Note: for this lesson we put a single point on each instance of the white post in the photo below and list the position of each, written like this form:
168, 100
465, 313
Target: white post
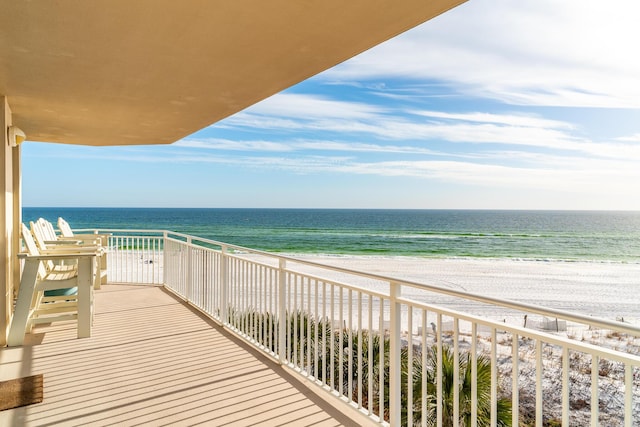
224, 286
395, 344
85, 295
188, 271
162, 279
282, 311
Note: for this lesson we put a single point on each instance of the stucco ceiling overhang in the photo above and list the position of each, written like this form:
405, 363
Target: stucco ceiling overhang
123, 72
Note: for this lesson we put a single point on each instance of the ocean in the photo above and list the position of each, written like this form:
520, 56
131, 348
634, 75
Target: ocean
599, 236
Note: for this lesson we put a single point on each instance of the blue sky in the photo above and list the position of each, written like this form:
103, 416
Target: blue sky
497, 104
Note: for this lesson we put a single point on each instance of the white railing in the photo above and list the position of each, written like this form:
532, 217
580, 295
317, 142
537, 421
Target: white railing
134, 256
382, 344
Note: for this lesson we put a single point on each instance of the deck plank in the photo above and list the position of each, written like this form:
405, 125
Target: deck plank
151, 360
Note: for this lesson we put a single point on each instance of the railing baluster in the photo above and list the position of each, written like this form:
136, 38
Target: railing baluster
370, 360
324, 332
189, 270
138, 258
254, 309
515, 370
595, 399
260, 295
282, 310
439, 376
359, 354
539, 367
341, 342
304, 321
317, 327
395, 383
244, 298
224, 286
494, 376
565, 386
424, 349
628, 395
474, 374
311, 317
332, 338
296, 314
456, 373
127, 261
409, 365
350, 345
381, 366
270, 311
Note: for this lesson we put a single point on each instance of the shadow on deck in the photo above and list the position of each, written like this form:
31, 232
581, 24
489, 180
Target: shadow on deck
152, 360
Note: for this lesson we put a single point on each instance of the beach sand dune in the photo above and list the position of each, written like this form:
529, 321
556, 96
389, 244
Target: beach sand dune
605, 290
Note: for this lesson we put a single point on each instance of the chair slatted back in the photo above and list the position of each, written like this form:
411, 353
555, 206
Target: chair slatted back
38, 235
47, 229
32, 249
65, 230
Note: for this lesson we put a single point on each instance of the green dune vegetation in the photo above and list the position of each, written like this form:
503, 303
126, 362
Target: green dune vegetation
340, 357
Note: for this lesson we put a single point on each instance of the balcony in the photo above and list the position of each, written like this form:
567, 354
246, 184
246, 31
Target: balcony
153, 360
193, 331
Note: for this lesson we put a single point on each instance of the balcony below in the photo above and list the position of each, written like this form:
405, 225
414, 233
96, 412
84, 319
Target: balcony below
153, 360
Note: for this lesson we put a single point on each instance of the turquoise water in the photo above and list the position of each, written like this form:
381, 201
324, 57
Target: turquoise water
538, 235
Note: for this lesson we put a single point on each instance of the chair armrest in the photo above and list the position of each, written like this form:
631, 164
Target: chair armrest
80, 238
63, 242
53, 257
62, 250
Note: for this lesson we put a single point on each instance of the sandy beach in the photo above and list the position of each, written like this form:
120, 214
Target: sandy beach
605, 290
608, 290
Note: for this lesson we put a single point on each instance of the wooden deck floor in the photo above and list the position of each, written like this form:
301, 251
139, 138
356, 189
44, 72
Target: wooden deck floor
153, 361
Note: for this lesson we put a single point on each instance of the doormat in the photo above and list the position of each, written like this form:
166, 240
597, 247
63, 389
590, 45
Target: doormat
21, 392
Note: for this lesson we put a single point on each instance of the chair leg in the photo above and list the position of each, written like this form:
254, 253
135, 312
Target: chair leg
85, 296
20, 319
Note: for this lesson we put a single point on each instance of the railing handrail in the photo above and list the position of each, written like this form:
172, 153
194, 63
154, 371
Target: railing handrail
530, 333
118, 230
504, 303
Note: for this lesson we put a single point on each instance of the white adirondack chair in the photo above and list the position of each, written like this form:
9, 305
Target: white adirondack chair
48, 234
39, 277
67, 233
101, 239
48, 242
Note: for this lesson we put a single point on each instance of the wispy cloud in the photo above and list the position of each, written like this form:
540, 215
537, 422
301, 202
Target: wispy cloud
314, 107
581, 54
421, 127
301, 145
235, 145
630, 138
502, 119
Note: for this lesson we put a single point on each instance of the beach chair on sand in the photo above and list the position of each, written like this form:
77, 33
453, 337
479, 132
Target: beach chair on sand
48, 293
